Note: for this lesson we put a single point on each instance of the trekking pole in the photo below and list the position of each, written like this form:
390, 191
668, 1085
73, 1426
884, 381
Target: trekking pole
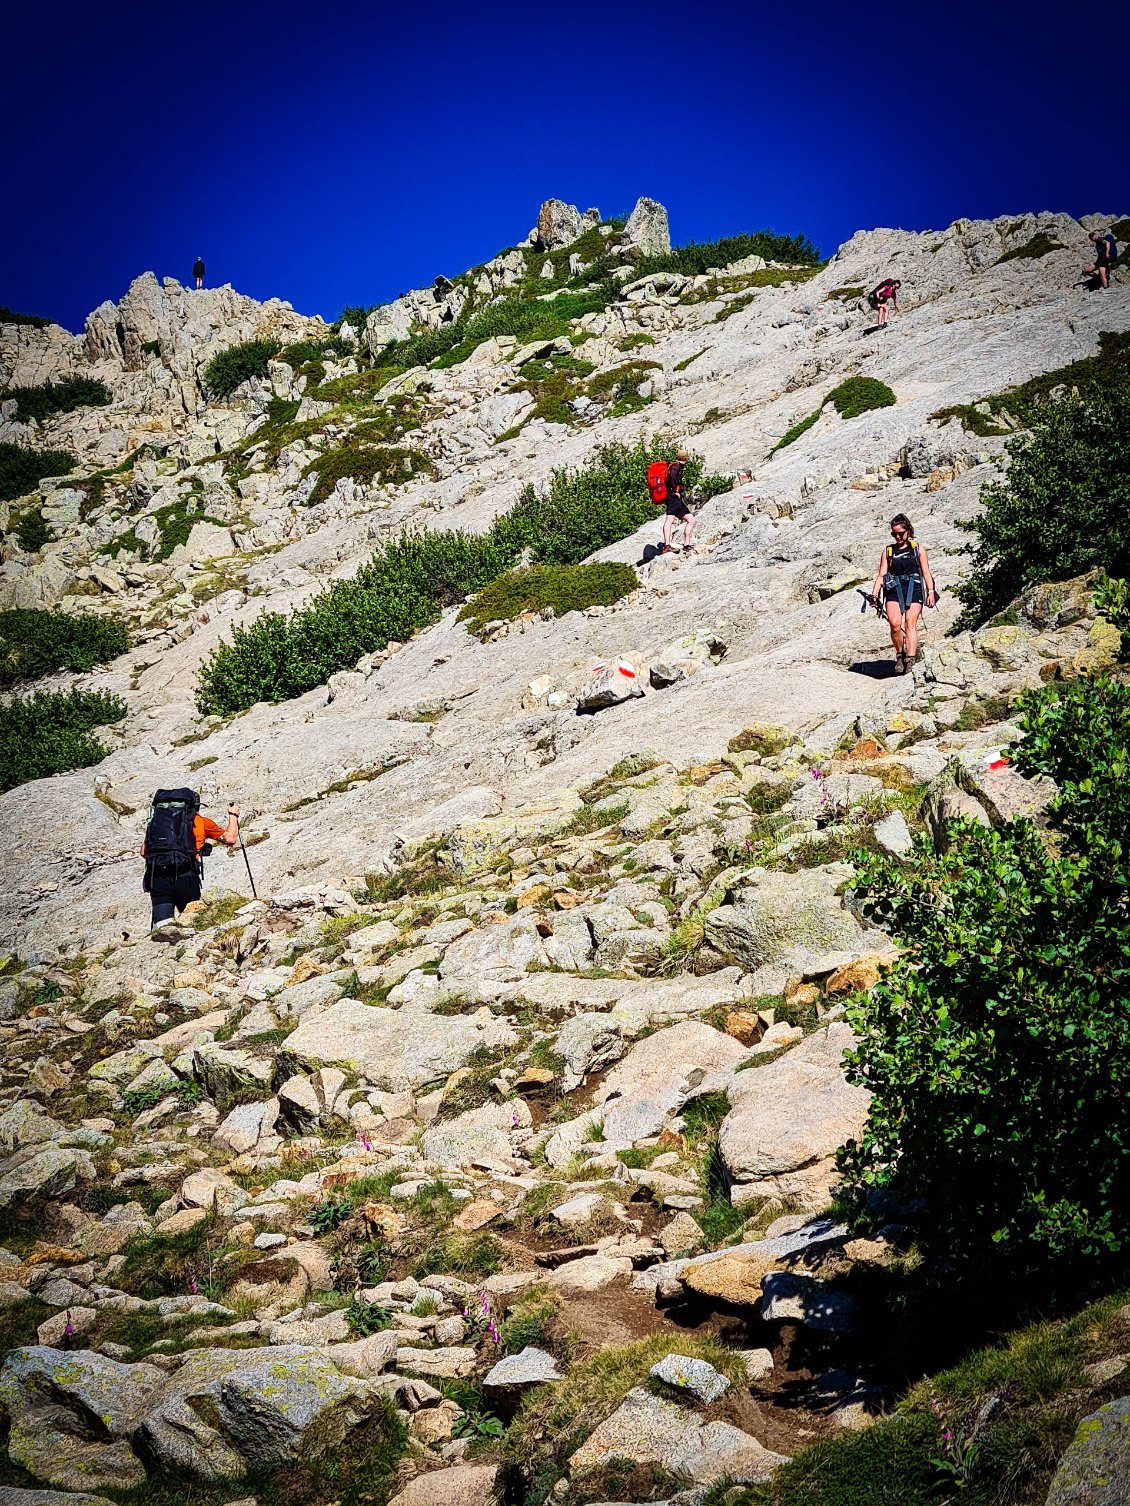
247, 860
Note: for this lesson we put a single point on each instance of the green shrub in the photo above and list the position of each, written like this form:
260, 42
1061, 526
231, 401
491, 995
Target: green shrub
1062, 506
36, 320
697, 257
32, 532
35, 642
49, 733
229, 369
997, 1049
22, 469
387, 464
58, 397
564, 588
1040, 245
851, 398
408, 582
860, 395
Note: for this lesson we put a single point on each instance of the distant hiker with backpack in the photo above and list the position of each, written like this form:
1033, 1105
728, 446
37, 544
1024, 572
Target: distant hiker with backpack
905, 585
1106, 254
173, 849
879, 298
665, 483
198, 271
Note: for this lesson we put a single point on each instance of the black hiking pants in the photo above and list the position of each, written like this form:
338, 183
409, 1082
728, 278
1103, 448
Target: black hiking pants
171, 889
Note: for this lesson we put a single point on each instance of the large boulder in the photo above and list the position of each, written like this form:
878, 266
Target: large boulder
648, 1430
559, 224
393, 1048
788, 1119
1095, 1470
794, 922
83, 1420
73, 1416
462, 1485
647, 229
229, 1411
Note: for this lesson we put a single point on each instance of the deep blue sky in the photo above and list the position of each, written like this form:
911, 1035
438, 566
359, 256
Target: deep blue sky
333, 153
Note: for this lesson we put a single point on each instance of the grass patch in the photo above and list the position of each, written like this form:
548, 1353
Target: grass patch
174, 524
554, 1421
689, 360
856, 396
455, 1254
563, 588
51, 732
22, 468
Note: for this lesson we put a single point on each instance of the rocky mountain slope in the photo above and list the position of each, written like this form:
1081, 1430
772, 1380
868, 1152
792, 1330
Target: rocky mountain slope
531, 1044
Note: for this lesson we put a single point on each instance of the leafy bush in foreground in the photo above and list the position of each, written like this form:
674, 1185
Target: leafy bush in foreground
58, 397
230, 368
565, 588
22, 468
408, 583
998, 1047
1062, 506
34, 642
49, 733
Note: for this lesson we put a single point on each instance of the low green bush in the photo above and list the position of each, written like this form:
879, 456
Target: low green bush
1041, 244
229, 369
1062, 506
50, 733
384, 464
850, 399
35, 642
36, 320
697, 257
860, 395
32, 531
564, 588
22, 468
997, 1049
410, 581
58, 397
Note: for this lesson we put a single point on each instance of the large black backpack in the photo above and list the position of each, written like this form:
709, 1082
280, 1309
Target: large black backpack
170, 837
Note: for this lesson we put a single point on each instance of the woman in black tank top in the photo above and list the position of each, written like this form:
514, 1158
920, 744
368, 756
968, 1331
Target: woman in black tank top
905, 585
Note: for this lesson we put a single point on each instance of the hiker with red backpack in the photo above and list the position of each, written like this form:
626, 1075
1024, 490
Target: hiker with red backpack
885, 294
665, 483
175, 843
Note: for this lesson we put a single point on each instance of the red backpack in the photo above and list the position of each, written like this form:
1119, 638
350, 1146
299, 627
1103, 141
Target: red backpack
657, 481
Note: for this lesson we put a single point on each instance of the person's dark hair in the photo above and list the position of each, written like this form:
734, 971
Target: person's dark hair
897, 282
900, 520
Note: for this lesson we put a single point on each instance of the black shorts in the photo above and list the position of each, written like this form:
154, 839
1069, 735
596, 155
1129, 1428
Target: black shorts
913, 590
170, 891
677, 508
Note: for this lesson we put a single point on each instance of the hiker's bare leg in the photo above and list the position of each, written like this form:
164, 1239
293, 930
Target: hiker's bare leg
668, 520
910, 631
894, 622
882, 318
1104, 276
688, 530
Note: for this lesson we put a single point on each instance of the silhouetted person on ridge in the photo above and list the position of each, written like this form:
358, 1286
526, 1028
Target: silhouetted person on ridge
198, 271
